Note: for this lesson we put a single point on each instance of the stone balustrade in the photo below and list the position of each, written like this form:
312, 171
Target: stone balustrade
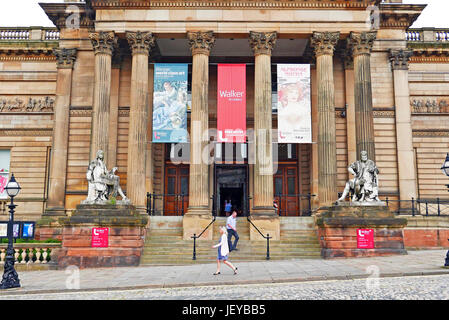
30, 253
427, 35
27, 34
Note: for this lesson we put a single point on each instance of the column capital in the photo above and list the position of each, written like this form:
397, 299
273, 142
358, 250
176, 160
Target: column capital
103, 42
324, 42
201, 42
65, 58
262, 42
141, 42
361, 43
399, 58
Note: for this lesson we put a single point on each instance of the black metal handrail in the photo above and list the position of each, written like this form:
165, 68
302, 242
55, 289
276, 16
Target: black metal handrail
194, 237
421, 207
179, 200
300, 196
265, 237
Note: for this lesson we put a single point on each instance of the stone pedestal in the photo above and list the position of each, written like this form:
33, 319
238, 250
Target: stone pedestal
125, 241
338, 224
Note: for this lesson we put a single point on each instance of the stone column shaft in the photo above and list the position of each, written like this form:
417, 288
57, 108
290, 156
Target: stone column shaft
404, 139
58, 168
103, 43
141, 44
200, 44
350, 111
262, 45
361, 45
324, 45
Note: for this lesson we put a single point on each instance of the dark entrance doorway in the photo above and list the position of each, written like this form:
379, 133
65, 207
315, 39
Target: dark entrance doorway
231, 183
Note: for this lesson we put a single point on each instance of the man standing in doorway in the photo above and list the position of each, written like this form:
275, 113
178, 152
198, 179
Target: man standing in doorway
231, 223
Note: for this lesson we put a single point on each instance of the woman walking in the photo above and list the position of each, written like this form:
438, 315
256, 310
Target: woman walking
223, 251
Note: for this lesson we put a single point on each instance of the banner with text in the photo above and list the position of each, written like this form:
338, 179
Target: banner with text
294, 105
170, 103
231, 103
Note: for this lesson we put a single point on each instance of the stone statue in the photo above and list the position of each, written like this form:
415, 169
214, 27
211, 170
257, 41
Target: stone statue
103, 185
364, 185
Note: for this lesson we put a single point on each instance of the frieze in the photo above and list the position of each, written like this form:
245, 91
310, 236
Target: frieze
23, 105
102, 4
423, 105
28, 133
430, 133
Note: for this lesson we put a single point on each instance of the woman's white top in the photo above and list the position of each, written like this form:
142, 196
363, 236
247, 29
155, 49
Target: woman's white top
224, 250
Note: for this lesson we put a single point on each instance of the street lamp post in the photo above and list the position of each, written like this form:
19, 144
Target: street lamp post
10, 278
445, 169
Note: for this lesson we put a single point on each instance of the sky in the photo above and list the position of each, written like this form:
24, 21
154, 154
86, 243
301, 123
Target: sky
23, 13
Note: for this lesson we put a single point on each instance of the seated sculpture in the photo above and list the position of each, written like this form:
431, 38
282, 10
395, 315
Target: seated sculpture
103, 185
364, 185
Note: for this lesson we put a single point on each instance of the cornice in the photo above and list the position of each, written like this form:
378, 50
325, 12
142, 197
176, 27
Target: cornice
399, 16
303, 4
58, 13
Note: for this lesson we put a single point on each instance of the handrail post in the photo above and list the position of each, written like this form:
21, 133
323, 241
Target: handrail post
438, 203
268, 246
427, 207
386, 201
182, 204
153, 204
413, 206
194, 246
309, 200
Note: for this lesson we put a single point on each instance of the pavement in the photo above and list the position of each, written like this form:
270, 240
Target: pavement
72, 279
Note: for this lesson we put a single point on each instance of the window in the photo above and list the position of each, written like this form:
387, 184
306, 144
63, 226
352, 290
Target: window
5, 156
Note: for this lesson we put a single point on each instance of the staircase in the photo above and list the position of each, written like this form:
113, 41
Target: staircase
164, 244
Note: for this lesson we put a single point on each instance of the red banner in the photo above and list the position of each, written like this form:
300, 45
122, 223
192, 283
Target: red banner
231, 103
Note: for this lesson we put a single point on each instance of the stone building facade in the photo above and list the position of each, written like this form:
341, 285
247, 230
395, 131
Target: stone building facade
87, 84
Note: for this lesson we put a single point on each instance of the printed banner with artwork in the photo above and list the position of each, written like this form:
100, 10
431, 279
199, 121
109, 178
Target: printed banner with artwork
294, 105
170, 103
231, 103
4, 172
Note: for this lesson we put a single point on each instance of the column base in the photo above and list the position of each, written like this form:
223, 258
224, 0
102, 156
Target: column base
195, 224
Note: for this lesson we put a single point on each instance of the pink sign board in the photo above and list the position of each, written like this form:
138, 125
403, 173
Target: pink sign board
365, 239
100, 237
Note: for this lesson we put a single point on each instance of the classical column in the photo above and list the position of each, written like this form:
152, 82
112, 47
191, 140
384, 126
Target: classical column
141, 44
348, 64
103, 44
404, 139
65, 59
113, 109
324, 44
200, 44
262, 43
198, 214
150, 164
361, 45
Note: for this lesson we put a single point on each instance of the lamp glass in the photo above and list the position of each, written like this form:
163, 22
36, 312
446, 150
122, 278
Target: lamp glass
12, 188
445, 166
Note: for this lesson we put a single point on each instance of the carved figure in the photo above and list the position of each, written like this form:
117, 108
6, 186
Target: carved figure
364, 185
103, 185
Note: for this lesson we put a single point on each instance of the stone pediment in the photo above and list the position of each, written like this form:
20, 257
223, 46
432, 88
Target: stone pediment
306, 4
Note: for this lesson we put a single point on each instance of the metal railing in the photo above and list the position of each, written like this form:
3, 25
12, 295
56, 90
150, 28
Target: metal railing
282, 199
265, 237
194, 237
419, 207
176, 201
